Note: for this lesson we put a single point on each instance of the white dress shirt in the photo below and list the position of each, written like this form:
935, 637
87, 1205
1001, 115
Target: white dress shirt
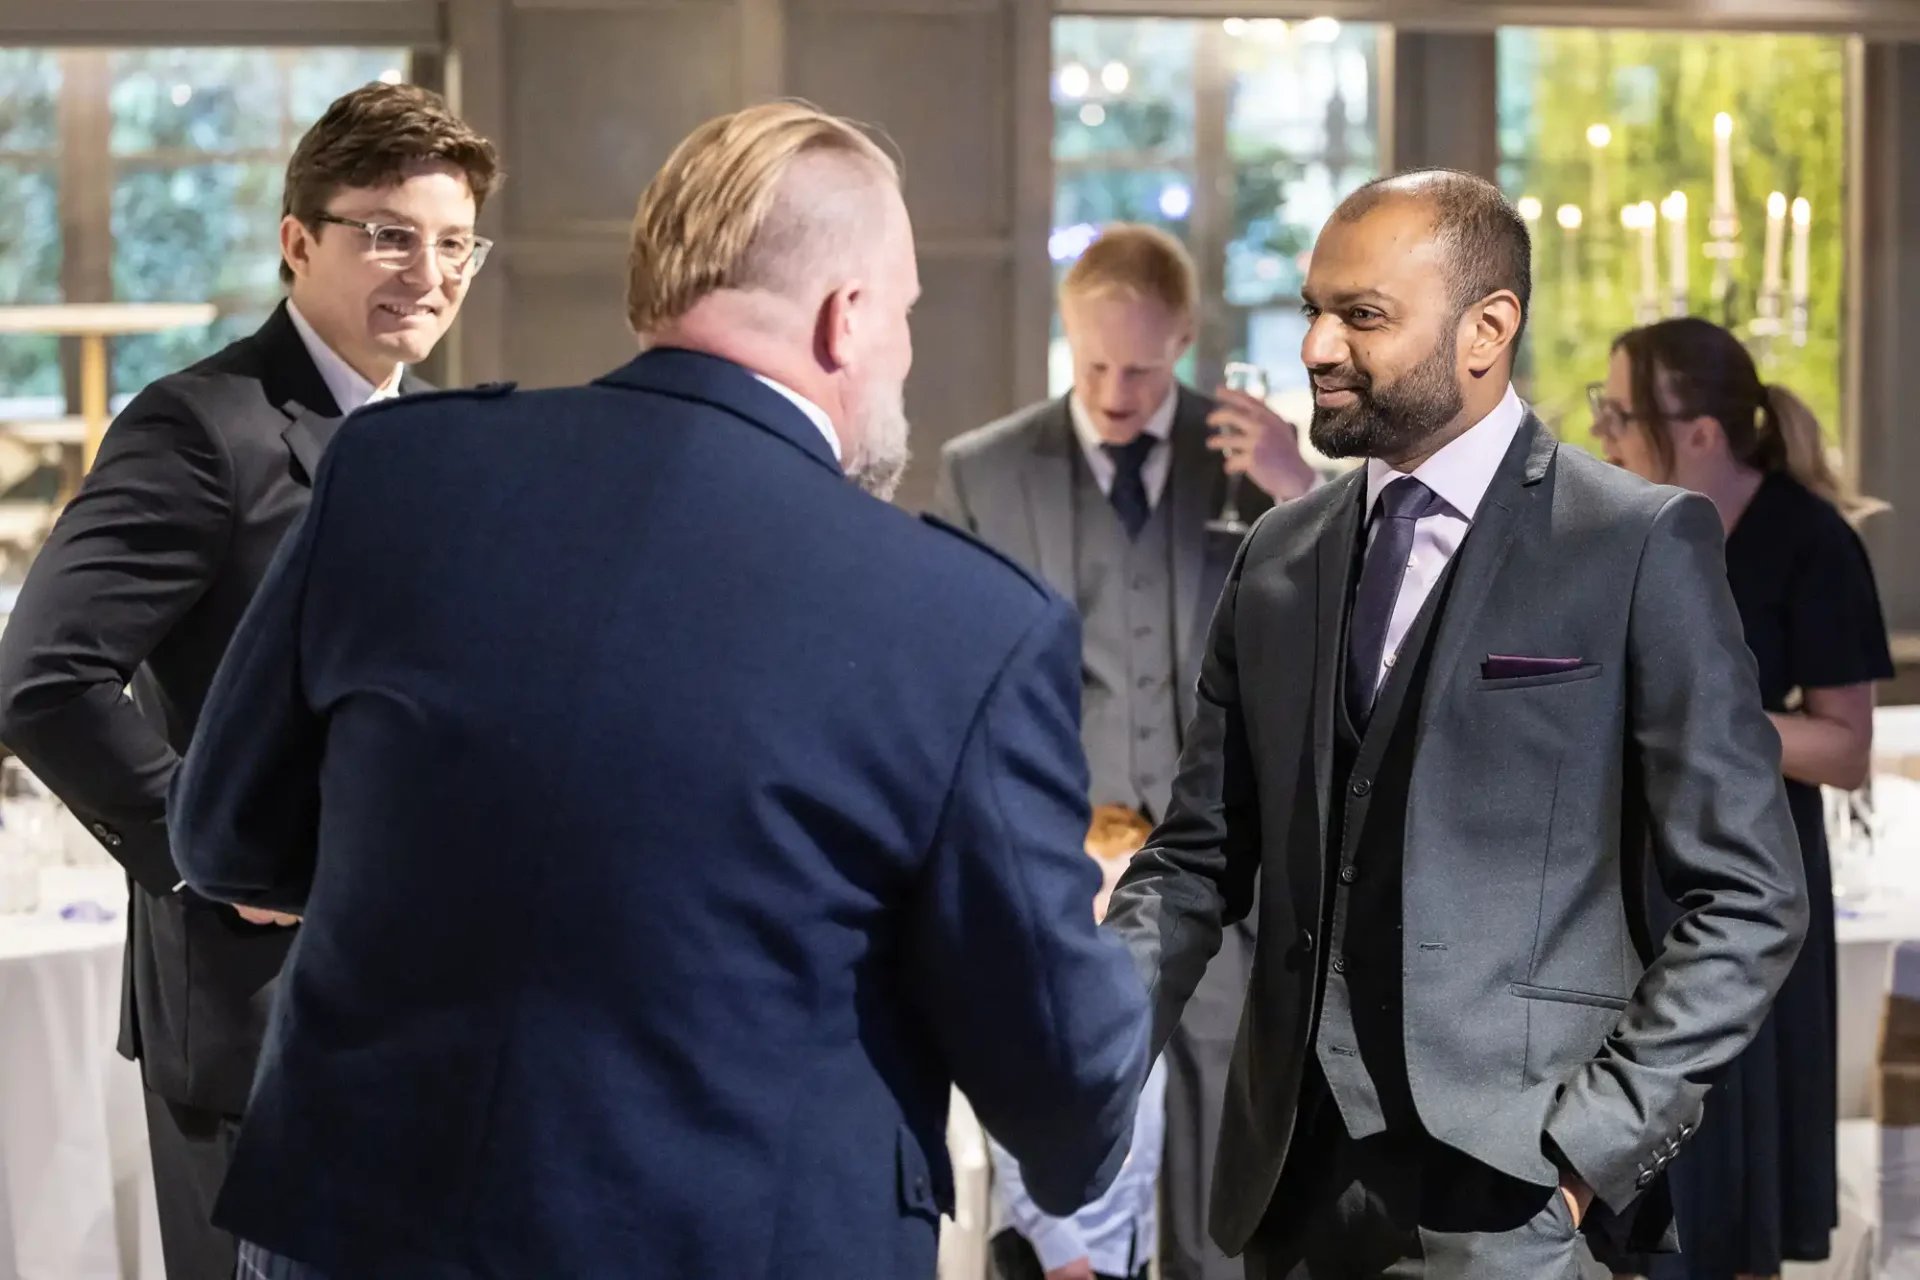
1159, 463
1459, 474
350, 390
1117, 1233
815, 414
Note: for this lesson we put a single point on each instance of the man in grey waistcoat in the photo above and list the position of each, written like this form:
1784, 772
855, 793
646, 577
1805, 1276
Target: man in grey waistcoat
1107, 493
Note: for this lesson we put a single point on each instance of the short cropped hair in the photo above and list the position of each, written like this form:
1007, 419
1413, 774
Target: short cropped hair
371, 137
1136, 260
1487, 245
708, 219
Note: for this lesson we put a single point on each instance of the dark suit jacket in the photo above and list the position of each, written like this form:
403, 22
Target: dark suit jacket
142, 580
664, 857
1011, 484
1541, 1025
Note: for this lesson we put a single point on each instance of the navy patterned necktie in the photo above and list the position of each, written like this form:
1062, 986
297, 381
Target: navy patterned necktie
1129, 492
1400, 505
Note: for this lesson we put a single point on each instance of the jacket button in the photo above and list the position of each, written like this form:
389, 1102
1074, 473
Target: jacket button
1361, 786
1349, 874
1339, 964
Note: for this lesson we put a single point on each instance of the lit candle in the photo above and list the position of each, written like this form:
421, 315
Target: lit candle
1802, 219
1722, 165
1646, 221
1598, 138
1776, 235
1675, 210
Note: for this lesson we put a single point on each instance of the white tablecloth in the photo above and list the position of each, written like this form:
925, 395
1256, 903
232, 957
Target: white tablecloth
76, 1186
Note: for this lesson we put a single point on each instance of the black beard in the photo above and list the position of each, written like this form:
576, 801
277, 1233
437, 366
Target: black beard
1392, 420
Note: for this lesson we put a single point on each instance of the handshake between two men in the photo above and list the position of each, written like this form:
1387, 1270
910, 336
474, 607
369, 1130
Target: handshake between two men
760, 824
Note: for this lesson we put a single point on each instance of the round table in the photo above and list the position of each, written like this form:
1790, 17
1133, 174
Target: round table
76, 1185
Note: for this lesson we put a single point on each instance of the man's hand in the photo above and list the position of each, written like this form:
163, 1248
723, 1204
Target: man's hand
1259, 444
1078, 1269
1579, 1198
260, 915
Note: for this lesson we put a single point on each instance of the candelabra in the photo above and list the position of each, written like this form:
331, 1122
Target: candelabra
1778, 313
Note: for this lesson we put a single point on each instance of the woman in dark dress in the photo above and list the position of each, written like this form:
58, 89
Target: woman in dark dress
1683, 404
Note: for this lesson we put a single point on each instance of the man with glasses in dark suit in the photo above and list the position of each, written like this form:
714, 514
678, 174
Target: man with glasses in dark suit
148, 570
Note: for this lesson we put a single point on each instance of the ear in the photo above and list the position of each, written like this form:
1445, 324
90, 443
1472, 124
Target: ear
296, 245
836, 326
1489, 329
1698, 436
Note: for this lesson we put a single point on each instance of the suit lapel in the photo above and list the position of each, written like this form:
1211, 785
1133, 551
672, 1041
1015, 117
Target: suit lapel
307, 436
1335, 546
294, 386
1048, 486
1476, 566
1190, 488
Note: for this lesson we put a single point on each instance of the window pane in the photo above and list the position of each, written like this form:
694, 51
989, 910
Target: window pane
29, 272
204, 232
1654, 97
29, 100
208, 231
196, 100
317, 76
1301, 131
1293, 114
1122, 86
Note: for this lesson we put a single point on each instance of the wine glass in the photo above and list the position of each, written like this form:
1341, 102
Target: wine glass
1252, 380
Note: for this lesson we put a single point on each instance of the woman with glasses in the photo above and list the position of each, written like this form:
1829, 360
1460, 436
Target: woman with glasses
1683, 404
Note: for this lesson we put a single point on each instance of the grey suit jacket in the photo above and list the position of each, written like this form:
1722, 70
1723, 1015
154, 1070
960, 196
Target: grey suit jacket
1010, 483
1543, 1028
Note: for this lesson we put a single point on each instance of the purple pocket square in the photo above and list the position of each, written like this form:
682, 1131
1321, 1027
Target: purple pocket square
1505, 667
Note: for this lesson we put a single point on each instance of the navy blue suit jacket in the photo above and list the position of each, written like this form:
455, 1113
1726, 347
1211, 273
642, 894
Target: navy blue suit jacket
672, 823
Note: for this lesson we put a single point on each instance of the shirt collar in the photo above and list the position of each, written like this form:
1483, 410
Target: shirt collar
815, 414
350, 390
1462, 471
1159, 424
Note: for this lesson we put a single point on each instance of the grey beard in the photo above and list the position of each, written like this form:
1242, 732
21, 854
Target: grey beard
882, 457
880, 476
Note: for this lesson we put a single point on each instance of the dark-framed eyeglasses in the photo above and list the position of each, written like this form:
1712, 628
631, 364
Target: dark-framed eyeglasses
1610, 417
396, 246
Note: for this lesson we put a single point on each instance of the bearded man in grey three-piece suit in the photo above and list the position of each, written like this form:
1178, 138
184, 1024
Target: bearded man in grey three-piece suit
1449, 705
1107, 493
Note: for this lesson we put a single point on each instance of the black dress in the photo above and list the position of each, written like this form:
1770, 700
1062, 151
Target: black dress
1756, 1186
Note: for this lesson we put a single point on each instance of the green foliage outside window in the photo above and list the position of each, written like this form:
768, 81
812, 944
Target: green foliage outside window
1658, 93
198, 140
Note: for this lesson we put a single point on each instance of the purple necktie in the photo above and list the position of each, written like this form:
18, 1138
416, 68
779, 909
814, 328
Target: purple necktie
1399, 506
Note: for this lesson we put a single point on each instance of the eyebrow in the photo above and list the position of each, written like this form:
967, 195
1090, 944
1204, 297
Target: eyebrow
1347, 297
385, 216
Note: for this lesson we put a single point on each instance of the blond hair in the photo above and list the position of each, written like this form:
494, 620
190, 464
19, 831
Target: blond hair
1803, 454
711, 220
1135, 260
